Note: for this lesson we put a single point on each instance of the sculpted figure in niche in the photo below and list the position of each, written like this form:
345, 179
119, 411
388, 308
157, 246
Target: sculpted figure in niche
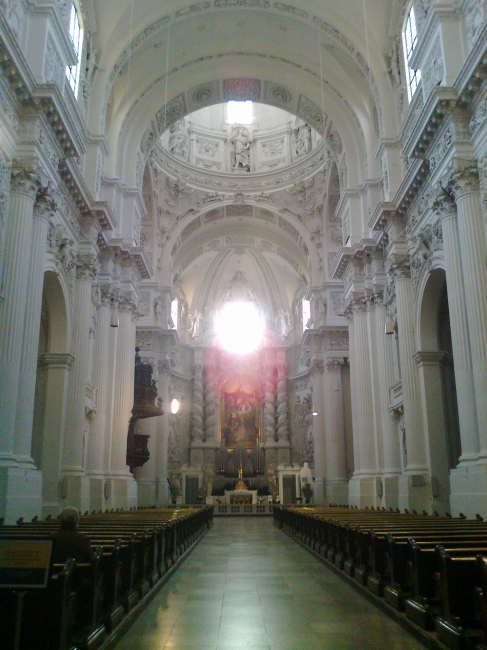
209, 475
241, 149
283, 323
195, 324
178, 141
302, 136
272, 482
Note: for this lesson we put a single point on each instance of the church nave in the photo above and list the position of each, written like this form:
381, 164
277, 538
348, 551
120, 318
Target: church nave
248, 585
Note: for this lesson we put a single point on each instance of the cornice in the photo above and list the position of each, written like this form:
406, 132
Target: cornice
137, 254
346, 254
230, 182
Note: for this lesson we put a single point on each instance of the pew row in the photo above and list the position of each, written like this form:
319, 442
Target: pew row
430, 569
83, 604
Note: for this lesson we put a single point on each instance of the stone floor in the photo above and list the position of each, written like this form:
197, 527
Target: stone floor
248, 585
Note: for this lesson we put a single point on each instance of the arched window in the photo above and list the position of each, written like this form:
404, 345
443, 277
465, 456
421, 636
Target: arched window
409, 40
76, 36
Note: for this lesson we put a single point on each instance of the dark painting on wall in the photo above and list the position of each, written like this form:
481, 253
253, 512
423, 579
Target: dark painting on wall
241, 419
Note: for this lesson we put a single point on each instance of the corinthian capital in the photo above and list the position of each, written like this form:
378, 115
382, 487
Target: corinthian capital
334, 365
87, 267
45, 206
25, 178
317, 367
464, 178
401, 270
444, 202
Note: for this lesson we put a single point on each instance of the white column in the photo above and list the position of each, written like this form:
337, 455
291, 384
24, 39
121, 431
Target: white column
473, 252
282, 408
123, 491
317, 371
336, 481
211, 404
97, 444
53, 372
362, 488
18, 244
162, 435
390, 437
462, 356
28, 361
269, 407
415, 442
75, 485
20, 489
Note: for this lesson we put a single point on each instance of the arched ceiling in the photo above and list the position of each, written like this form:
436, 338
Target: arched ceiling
309, 57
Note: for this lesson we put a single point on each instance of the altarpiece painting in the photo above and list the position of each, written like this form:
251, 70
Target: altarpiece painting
241, 419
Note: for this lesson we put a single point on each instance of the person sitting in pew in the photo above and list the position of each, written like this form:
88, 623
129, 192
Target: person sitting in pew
69, 542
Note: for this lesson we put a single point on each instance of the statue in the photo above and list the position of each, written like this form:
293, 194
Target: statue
196, 324
208, 476
241, 149
178, 141
272, 482
174, 484
158, 307
302, 135
283, 324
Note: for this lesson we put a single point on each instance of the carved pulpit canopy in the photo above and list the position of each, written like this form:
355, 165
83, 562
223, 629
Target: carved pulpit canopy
146, 405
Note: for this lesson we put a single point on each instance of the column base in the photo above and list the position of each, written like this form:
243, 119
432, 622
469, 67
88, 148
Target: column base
468, 490
75, 492
319, 496
122, 492
163, 497
97, 493
390, 492
364, 491
20, 493
416, 493
337, 492
146, 493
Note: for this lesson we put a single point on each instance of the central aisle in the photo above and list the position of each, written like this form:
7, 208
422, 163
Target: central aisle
248, 585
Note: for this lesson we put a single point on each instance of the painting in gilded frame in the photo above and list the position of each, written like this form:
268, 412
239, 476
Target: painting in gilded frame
240, 419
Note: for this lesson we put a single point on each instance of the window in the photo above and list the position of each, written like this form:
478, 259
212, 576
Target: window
76, 36
306, 315
174, 314
239, 112
410, 38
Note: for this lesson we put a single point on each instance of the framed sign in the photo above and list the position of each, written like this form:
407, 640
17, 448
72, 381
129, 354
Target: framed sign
24, 564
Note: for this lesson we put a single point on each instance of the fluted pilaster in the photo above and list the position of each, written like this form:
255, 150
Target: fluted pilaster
364, 419
415, 441
385, 366
43, 209
334, 423
97, 444
464, 185
18, 244
317, 372
462, 355
75, 416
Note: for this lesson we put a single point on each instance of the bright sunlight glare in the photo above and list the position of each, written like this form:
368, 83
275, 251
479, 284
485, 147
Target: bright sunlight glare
239, 327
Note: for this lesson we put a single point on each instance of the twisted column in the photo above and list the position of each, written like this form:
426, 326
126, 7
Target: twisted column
197, 410
465, 187
462, 354
269, 408
282, 406
210, 404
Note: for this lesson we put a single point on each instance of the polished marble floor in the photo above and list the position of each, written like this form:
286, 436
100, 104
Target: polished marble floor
248, 585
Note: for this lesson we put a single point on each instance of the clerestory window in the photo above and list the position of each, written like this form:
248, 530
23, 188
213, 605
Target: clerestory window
409, 39
76, 36
240, 112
